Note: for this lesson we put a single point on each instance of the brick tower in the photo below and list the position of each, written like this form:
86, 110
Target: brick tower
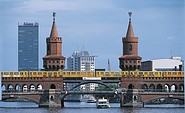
54, 59
130, 59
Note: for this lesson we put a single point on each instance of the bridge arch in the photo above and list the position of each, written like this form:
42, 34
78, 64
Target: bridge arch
3, 87
173, 88
39, 87
25, 88
86, 82
167, 88
144, 87
152, 88
52, 86
159, 88
130, 86
17, 88
32, 87
10, 87
181, 88
23, 99
164, 100
82, 83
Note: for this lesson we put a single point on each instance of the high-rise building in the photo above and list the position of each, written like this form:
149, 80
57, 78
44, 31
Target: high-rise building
130, 60
28, 46
81, 61
54, 59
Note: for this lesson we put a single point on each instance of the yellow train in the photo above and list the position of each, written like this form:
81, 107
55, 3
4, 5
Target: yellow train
107, 74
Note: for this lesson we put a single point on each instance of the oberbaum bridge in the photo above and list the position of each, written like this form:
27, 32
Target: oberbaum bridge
46, 88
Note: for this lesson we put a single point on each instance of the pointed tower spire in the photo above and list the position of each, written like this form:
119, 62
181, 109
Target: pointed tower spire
130, 32
54, 32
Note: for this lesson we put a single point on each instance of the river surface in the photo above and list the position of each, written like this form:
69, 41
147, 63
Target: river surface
83, 107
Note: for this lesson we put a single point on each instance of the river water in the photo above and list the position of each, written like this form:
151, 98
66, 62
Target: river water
83, 107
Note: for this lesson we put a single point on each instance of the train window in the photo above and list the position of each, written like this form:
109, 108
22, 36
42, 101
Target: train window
34, 73
49, 73
83, 73
106, 73
39, 73
173, 73
169, 73
117, 74
78, 73
73, 73
150, 73
15, 73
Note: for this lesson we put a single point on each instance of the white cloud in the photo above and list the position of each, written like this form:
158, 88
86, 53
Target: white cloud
72, 5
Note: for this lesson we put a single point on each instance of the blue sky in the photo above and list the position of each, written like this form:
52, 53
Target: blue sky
98, 25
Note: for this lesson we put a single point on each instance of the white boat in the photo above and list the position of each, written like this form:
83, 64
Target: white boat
102, 103
91, 100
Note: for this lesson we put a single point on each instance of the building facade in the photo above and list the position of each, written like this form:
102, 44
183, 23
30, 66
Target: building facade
165, 64
81, 61
54, 60
28, 46
130, 60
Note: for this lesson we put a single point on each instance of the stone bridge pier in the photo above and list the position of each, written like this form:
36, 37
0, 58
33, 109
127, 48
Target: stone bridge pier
131, 98
51, 98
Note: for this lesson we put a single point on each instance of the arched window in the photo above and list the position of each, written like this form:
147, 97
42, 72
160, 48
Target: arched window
145, 87
17, 88
181, 88
52, 86
130, 86
130, 47
152, 88
166, 88
159, 88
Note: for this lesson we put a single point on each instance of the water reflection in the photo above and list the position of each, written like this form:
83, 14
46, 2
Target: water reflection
83, 107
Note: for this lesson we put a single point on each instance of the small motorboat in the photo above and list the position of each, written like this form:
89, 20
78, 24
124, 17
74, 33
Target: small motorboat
102, 103
91, 100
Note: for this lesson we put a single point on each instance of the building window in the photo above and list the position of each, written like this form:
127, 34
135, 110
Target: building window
130, 47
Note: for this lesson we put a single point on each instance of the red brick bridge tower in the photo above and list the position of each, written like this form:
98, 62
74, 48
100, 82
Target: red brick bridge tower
130, 59
54, 59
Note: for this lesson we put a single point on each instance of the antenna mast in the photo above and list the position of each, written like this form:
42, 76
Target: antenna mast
108, 66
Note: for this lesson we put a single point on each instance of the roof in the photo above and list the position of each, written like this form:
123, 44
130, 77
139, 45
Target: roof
130, 57
130, 32
84, 53
54, 57
54, 32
